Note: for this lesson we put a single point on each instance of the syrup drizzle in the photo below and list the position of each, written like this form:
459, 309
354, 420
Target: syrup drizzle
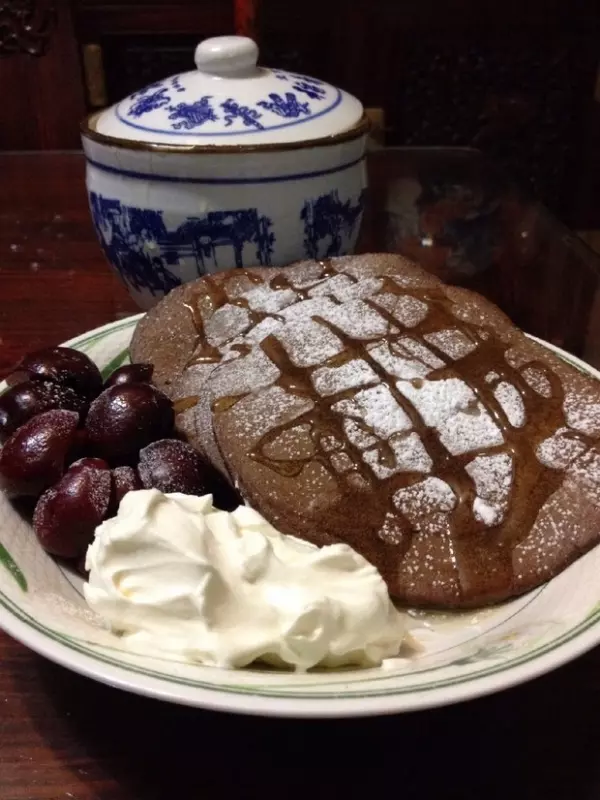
476, 546
202, 301
185, 403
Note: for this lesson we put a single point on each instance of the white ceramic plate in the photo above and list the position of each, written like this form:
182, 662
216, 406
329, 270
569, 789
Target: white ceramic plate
464, 655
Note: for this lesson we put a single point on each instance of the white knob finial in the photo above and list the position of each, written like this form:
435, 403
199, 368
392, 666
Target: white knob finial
227, 56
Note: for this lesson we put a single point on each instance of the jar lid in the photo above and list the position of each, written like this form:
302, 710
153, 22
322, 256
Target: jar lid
229, 100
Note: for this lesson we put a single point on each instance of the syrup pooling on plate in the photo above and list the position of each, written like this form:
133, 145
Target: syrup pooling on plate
507, 424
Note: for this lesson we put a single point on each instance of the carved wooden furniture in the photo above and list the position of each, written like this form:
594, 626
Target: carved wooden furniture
518, 81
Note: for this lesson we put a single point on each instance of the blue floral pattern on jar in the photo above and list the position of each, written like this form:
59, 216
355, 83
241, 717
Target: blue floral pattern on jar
148, 102
287, 106
303, 97
233, 110
192, 115
330, 224
149, 256
314, 91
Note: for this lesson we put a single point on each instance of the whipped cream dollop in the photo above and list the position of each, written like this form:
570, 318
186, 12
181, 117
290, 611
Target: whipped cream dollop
173, 574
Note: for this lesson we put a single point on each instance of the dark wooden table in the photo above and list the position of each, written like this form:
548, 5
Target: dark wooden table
63, 736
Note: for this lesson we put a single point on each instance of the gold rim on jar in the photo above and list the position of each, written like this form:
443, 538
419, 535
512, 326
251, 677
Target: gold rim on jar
359, 129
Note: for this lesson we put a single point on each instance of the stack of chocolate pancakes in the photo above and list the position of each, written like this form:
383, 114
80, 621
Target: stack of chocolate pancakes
361, 400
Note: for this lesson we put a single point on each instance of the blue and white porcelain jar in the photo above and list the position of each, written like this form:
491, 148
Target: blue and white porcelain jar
229, 165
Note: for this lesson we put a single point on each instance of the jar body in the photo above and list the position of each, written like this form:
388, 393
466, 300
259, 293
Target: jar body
167, 218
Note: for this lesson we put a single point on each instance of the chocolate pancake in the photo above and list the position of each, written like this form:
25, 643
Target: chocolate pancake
375, 406
187, 334
361, 400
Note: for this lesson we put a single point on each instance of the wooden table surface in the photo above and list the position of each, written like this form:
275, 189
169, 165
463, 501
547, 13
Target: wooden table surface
64, 736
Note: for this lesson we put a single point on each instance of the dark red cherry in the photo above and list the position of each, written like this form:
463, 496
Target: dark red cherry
125, 418
66, 366
80, 447
34, 456
68, 513
125, 479
171, 465
25, 400
82, 463
130, 373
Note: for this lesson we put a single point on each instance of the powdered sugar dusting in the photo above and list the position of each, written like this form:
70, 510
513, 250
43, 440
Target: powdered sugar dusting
98, 489
291, 443
560, 449
437, 400
465, 432
451, 407
582, 413
309, 343
419, 351
341, 462
493, 477
266, 410
452, 342
329, 285
432, 494
330, 442
399, 366
332, 380
557, 529
586, 470
486, 513
244, 375
378, 434
260, 331
427, 504
305, 274
270, 301
313, 307
344, 289
59, 420
92, 484
378, 409
538, 381
357, 319
391, 532
180, 455
408, 310
409, 455
357, 435
429, 550
237, 285
226, 323
351, 290
512, 404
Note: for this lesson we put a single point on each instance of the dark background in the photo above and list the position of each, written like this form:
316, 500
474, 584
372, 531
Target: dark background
517, 79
